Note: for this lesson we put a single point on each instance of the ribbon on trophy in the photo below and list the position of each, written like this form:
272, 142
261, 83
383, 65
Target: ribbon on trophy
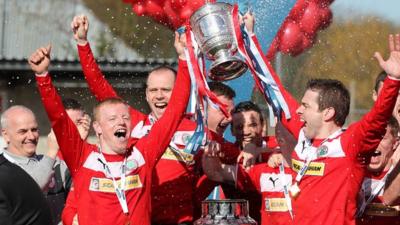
261, 70
200, 95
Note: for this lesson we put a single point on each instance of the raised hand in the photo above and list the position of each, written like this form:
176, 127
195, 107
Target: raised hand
40, 60
83, 126
80, 27
52, 145
180, 45
392, 65
249, 21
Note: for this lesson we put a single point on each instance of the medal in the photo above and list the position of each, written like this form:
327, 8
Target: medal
294, 190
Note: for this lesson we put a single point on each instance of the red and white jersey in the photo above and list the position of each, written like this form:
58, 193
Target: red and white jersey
374, 214
370, 182
330, 186
270, 184
97, 202
173, 178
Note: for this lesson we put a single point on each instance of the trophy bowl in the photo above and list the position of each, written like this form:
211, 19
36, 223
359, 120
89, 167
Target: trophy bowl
212, 27
227, 211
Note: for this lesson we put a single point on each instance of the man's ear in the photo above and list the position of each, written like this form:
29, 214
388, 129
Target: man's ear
97, 128
374, 95
329, 113
5, 136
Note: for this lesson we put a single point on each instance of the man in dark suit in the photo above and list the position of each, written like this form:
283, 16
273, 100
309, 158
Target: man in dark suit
21, 200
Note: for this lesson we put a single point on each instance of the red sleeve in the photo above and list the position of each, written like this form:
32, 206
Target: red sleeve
366, 134
293, 124
97, 83
155, 143
70, 209
68, 138
248, 181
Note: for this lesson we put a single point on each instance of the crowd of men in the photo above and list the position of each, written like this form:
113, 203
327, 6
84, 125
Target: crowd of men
139, 172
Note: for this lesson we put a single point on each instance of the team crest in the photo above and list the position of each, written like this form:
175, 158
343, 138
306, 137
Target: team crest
185, 138
322, 151
131, 164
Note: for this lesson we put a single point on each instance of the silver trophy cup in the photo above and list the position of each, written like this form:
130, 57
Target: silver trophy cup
225, 212
212, 26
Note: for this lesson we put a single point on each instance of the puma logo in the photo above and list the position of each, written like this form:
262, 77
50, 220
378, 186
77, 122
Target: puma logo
273, 181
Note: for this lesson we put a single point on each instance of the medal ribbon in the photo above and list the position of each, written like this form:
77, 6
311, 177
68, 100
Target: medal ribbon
119, 189
309, 156
374, 193
286, 189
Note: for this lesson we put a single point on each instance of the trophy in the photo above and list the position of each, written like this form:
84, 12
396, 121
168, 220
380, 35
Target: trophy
212, 27
226, 212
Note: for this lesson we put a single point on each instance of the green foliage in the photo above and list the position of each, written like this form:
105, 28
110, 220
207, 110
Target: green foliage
148, 38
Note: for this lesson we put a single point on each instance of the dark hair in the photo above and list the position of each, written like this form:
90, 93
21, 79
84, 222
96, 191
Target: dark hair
70, 103
332, 93
111, 101
394, 125
247, 106
219, 88
379, 79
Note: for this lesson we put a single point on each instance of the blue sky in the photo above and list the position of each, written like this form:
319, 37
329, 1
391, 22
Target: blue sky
387, 9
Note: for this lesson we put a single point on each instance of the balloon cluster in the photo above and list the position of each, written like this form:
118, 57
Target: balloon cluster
299, 29
172, 13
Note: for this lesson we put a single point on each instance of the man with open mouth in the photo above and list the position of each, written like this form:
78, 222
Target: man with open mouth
175, 171
112, 181
382, 176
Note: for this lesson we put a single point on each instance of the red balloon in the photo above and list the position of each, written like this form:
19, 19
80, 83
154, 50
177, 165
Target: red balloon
176, 4
186, 13
306, 42
290, 39
298, 10
273, 48
155, 11
173, 18
323, 3
311, 19
139, 9
326, 17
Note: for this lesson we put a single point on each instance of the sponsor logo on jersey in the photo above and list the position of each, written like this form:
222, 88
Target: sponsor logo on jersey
275, 205
107, 185
181, 156
314, 169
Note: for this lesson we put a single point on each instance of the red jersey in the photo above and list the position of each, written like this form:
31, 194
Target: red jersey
97, 202
173, 179
269, 183
334, 163
330, 186
253, 196
376, 212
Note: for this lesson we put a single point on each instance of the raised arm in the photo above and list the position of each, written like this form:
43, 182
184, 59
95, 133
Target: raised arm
97, 83
156, 142
372, 127
293, 124
68, 137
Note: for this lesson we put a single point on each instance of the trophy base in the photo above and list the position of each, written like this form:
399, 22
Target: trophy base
227, 67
